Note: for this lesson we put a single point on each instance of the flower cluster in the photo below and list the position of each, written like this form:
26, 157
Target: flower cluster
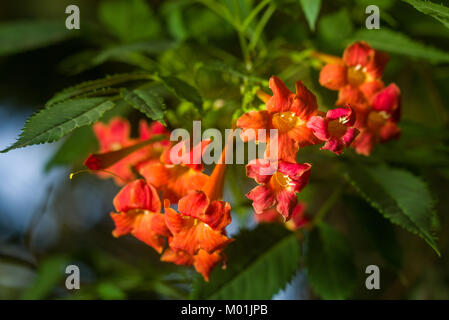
366, 113
299, 124
358, 78
194, 234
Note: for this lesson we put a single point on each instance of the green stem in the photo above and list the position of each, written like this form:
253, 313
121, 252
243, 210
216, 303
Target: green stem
328, 204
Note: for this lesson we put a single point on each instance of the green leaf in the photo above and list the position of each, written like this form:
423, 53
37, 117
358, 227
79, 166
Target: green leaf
330, 269
399, 196
146, 102
260, 263
183, 90
396, 42
336, 27
437, 11
75, 149
378, 230
311, 10
93, 86
21, 36
130, 20
82, 141
52, 123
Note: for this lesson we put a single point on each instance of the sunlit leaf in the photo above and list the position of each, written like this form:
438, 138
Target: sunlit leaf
435, 10
311, 10
52, 123
146, 102
95, 86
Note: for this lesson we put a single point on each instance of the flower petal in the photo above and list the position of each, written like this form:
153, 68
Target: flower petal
177, 257
270, 215
370, 88
298, 172
115, 133
390, 131
335, 145
260, 170
137, 195
364, 143
333, 76
319, 127
174, 220
194, 204
387, 99
282, 96
263, 198
218, 215
150, 228
358, 53
205, 262
123, 223
254, 120
304, 104
286, 201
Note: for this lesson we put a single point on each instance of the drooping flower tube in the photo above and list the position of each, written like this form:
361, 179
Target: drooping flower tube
138, 213
288, 113
198, 225
336, 128
277, 190
119, 153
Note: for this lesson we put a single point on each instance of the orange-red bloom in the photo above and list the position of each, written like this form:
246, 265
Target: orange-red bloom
382, 119
357, 77
288, 113
114, 137
199, 224
139, 208
278, 189
175, 180
198, 227
336, 128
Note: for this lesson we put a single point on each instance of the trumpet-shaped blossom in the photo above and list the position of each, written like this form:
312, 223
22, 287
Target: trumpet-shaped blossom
138, 213
277, 190
382, 119
357, 76
198, 226
288, 113
175, 180
336, 128
115, 136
